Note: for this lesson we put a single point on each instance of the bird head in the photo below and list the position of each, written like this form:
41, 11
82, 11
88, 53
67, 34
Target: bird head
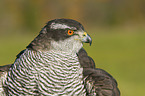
61, 35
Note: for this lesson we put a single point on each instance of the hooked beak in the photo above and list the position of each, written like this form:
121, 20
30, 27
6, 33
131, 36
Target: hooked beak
86, 38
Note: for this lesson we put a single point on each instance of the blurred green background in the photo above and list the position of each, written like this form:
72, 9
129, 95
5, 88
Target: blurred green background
117, 28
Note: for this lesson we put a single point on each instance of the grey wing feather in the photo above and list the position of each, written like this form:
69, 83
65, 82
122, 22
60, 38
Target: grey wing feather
5, 68
97, 81
85, 60
3, 74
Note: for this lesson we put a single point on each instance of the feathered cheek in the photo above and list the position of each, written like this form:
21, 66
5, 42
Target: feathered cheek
77, 38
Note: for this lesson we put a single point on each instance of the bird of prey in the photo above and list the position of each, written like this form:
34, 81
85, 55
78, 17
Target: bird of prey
55, 64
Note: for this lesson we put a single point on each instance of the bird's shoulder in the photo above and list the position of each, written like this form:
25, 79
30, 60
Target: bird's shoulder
85, 60
5, 68
97, 81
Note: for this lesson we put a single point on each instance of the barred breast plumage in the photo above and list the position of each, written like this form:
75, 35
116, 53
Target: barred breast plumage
46, 72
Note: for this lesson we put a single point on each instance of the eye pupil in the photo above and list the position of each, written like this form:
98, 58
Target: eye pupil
70, 32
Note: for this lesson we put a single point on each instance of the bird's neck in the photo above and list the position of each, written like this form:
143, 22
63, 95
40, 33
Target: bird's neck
71, 47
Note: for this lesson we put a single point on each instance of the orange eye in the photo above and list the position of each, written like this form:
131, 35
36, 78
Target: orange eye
70, 32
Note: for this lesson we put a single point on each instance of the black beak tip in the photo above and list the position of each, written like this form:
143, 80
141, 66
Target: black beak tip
90, 43
90, 40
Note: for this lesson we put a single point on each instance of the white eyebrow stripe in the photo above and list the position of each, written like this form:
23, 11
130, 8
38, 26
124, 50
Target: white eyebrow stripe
60, 26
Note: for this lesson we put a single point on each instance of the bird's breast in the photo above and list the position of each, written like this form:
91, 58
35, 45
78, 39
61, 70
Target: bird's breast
62, 75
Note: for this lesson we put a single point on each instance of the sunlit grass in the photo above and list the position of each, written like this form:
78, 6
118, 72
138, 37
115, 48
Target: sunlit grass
119, 53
